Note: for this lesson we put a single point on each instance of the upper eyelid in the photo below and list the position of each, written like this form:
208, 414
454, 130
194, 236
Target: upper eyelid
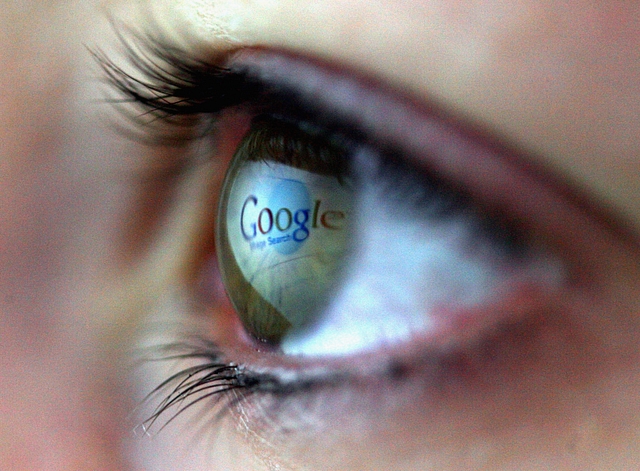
180, 85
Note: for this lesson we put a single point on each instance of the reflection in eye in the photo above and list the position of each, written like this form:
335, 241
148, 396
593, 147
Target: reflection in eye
283, 228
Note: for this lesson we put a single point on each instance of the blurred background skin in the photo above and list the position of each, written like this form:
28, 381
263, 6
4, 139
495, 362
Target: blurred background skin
57, 214
63, 328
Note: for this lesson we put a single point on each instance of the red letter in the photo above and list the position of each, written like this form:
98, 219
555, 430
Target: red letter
331, 216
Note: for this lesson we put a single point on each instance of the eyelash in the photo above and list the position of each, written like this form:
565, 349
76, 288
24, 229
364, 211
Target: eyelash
214, 378
170, 90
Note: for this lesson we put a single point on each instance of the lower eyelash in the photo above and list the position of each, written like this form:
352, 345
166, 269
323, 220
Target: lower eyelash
225, 383
210, 378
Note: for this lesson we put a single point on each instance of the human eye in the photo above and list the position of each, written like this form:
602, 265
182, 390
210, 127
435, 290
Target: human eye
331, 246
382, 261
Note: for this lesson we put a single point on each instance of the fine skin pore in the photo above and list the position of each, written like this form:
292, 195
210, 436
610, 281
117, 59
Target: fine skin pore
89, 254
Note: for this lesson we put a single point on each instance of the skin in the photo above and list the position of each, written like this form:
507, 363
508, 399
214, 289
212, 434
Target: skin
89, 256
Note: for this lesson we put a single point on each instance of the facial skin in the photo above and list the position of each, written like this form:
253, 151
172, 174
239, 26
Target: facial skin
89, 256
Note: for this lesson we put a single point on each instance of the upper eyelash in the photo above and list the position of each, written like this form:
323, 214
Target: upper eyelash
167, 88
170, 87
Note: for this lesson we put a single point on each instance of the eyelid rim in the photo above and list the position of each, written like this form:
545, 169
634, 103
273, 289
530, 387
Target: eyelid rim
485, 167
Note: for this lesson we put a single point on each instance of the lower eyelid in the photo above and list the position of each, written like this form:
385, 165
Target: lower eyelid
515, 315
451, 391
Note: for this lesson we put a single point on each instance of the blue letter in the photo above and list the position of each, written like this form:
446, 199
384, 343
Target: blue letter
301, 225
254, 200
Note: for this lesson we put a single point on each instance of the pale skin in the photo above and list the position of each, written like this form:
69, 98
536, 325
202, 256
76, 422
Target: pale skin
559, 81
